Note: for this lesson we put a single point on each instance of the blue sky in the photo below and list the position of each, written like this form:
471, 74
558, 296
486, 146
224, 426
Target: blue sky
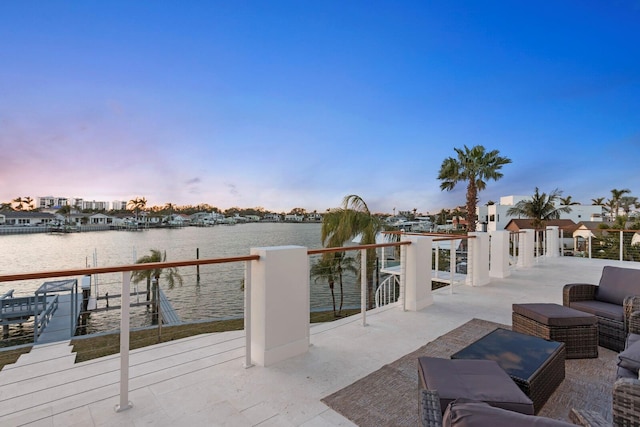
285, 104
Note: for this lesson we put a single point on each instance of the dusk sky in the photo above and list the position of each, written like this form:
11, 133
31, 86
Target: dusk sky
284, 104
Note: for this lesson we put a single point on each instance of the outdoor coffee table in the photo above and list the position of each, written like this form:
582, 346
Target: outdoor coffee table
536, 365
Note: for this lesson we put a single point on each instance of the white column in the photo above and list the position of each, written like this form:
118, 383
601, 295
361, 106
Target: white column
527, 237
478, 264
552, 241
417, 272
279, 304
499, 254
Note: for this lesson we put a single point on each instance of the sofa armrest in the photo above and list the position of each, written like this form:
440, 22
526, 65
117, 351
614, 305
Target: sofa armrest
578, 292
430, 412
631, 304
626, 401
634, 323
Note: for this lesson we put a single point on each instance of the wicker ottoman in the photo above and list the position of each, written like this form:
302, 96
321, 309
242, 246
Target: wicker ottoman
576, 329
480, 380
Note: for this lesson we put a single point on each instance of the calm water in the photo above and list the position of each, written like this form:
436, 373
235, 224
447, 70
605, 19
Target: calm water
217, 295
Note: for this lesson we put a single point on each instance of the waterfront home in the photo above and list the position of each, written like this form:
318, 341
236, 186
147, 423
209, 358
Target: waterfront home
26, 218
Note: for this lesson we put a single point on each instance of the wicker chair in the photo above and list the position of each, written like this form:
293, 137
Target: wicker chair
612, 301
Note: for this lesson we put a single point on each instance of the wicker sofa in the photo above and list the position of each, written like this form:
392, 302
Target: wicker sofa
613, 300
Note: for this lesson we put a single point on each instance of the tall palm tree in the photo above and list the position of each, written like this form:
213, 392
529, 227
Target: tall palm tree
171, 275
474, 166
540, 208
615, 200
353, 219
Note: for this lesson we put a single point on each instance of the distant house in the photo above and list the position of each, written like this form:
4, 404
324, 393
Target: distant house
26, 218
293, 218
100, 219
566, 226
272, 217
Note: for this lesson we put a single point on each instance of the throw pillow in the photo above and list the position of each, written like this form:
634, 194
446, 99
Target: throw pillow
630, 358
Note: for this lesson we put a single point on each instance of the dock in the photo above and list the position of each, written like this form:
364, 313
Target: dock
168, 314
63, 322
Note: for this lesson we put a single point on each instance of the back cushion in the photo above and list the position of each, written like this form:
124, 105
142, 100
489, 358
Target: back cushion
616, 283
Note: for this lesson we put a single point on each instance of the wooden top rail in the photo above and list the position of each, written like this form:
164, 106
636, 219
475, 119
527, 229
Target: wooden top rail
131, 267
354, 248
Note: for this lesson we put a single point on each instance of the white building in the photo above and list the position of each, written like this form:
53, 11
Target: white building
495, 216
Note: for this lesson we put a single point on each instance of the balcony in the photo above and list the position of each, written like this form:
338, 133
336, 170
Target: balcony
203, 380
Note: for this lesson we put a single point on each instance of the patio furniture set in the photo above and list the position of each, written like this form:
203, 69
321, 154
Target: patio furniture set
505, 377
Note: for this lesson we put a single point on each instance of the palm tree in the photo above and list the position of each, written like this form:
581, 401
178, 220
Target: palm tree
353, 219
474, 166
153, 277
566, 201
599, 201
28, 201
615, 200
324, 269
540, 208
330, 267
626, 202
137, 204
19, 203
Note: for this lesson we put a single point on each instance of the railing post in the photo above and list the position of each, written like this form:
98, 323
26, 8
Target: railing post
621, 245
280, 304
416, 268
499, 254
363, 285
478, 262
528, 248
589, 245
247, 314
552, 241
124, 344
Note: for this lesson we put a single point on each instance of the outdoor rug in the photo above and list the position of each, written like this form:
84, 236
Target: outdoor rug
389, 396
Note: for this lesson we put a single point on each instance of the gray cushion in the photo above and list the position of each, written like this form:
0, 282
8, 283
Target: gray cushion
555, 314
616, 283
599, 308
630, 357
463, 413
480, 380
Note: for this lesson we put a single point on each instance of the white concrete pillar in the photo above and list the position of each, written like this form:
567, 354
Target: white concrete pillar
499, 259
417, 272
552, 241
527, 239
478, 259
279, 304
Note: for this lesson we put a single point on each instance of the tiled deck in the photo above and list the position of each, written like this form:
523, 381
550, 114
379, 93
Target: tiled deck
201, 381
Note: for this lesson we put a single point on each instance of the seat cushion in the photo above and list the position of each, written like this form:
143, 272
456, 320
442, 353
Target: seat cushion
599, 308
463, 413
616, 283
555, 314
480, 380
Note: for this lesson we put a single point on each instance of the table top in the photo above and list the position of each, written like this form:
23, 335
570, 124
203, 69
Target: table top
520, 355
